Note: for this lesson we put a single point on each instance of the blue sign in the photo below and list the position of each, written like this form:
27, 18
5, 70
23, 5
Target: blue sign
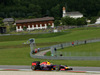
32, 40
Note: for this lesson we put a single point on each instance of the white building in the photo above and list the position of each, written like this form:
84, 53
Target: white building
8, 21
37, 23
97, 21
74, 14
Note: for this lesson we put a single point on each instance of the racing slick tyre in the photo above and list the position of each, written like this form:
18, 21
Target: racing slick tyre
36, 66
37, 62
71, 69
57, 68
33, 68
50, 68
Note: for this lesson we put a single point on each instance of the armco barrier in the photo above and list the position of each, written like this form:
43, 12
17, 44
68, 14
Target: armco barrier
68, 57
64, 58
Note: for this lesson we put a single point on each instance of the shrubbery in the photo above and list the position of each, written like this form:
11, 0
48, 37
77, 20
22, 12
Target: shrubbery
71, 21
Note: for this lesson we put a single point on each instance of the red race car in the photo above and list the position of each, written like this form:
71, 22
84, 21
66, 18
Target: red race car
36, 65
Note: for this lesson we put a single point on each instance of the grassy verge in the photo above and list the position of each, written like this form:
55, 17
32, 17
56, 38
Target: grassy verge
28, 36
93, 48
75, 34
20, 56
13, 52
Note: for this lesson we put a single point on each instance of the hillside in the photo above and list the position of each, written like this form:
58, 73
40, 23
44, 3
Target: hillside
69, 35
14, 52
40, 8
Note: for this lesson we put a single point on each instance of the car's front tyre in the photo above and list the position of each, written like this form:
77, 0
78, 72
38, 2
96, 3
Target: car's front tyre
33, 67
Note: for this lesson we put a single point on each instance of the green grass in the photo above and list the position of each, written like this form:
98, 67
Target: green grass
12, 43
20, 56
13, 52
71, 35
93, 48
90, 47
28, 36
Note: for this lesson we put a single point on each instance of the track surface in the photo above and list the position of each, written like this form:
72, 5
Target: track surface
26, 70
29, 68
41, 73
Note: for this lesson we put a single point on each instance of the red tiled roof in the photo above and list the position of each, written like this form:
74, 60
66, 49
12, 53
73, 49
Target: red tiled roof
35, 20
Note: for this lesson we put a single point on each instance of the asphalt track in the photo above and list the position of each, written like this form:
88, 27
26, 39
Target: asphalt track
42, 73
29, 68
26, 70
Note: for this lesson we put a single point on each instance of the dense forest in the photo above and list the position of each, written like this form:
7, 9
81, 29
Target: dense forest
41, 8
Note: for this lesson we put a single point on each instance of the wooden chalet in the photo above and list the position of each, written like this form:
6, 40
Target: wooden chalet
37, 23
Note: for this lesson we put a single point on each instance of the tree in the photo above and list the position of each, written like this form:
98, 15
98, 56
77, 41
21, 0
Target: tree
1, 22
81, 21
93, 20
56, 22
24, 28
31, 17
63, 21
56, 11
2, 14
47, 13
71, 21
38, 8
12, 27
98, 14
35, 10
68, 21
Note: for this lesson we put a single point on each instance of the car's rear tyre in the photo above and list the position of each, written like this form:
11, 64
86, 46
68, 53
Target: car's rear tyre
70, 69
37, 62
37, 66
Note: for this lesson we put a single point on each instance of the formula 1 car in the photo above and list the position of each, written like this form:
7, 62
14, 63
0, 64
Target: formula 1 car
47, 66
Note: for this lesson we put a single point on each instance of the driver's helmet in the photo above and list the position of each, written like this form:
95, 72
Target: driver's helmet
48, 63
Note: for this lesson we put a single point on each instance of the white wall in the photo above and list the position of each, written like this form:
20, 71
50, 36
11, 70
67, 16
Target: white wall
77, 16
18, 30
97, 21
32, 28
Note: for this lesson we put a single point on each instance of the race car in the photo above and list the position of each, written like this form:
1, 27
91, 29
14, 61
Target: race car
47, 66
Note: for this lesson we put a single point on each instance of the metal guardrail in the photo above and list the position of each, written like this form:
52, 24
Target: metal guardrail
80, 54
58, 46
24, 33
64, 58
